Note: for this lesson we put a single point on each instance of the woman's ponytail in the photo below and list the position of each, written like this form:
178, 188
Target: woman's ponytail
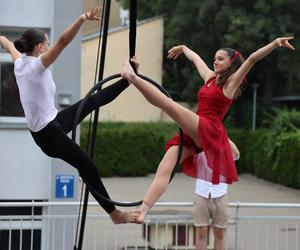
29, 40
21, 44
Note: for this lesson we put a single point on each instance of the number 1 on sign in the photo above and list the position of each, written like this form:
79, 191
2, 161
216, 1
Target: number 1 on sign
64, 188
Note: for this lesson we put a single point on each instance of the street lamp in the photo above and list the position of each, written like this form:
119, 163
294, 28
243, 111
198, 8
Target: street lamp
254, 87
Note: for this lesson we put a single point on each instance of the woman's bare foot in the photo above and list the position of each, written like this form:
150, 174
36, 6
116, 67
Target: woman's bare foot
121, 217
127, 71
143, 211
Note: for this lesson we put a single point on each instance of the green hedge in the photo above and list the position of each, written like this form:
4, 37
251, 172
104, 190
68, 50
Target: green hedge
273, 153
253, 149
286, 167
276, 159
129, 149
135, 149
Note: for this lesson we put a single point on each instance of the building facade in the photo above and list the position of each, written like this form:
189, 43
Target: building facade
26, 173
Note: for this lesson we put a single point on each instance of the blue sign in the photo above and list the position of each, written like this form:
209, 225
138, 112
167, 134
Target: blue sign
64, 186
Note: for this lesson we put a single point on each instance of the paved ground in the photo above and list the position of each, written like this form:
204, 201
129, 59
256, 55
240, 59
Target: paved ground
247, 189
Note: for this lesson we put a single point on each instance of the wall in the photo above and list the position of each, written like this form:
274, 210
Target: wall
130, 105
114, 18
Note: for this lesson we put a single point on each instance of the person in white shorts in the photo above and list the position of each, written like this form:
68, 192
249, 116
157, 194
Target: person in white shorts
210, 208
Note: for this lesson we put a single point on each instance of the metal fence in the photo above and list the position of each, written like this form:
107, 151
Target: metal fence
269, 226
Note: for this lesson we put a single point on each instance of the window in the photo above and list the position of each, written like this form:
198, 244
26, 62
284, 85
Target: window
10, 104
20, 239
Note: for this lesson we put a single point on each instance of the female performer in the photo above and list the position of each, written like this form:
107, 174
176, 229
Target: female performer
203, 130
32, 57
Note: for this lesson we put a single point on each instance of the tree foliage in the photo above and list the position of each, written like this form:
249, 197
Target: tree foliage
207, 25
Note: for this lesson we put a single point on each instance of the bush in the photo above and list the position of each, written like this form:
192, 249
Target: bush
272, 154
129, 149
281, 121
286, 167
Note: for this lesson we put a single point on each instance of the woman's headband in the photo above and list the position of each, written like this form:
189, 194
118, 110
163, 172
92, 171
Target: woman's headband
234, 56
236, 53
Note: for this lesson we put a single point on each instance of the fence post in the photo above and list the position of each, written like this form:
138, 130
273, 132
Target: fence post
236, 224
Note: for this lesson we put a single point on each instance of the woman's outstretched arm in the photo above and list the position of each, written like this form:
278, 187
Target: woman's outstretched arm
67, 36
10, 48
237, 78
201, 66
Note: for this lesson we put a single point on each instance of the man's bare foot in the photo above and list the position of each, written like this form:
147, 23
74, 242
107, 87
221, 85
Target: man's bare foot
121, 217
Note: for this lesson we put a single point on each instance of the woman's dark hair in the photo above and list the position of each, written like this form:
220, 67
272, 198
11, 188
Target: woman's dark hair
29, 39
236, 61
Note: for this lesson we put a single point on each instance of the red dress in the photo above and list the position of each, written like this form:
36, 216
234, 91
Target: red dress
212, 107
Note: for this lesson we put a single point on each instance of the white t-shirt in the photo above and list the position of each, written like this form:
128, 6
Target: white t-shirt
205, 188
37, 91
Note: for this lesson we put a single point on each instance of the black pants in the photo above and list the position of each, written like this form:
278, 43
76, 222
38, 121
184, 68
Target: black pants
54, 142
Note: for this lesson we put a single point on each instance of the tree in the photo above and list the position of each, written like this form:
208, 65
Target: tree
207, 25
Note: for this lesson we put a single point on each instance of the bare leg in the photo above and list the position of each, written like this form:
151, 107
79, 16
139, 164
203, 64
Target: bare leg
219, 239
201, 238
161, 180
185, 118
121, 216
